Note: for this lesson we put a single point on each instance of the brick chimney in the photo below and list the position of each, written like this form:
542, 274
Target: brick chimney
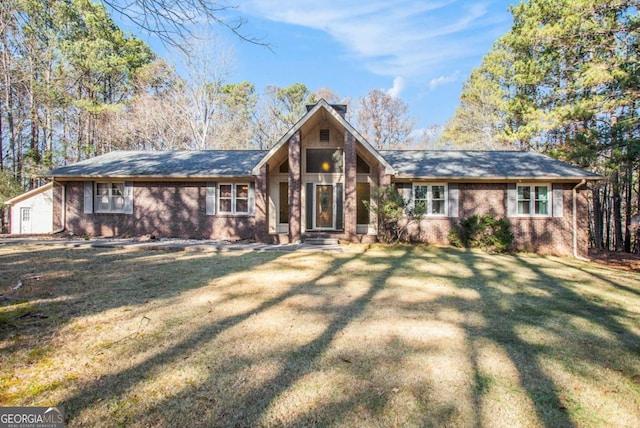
341, 109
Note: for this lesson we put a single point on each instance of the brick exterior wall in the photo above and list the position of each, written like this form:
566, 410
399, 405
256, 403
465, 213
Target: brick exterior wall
57, 205
163, 209
295, 187
483, 198
544, 235
177, 209
551, 235
350, 186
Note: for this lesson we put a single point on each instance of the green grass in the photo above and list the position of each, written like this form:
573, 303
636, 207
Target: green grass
373, 336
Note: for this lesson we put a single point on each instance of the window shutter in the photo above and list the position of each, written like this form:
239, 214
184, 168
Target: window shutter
128, 197
210, 199
252, 198
339, 207
88, 197
557, 200
309, 206
512, 200
453, 203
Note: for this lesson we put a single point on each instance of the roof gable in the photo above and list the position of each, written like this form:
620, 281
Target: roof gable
31, 193
311, 112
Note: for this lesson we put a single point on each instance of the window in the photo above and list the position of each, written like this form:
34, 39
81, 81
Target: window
363, 197
533, 200
283, 212
324, 135
109, 198
361, 166
324, 161
430, 199
437, 200
233, 198
242, 198
421, 198
284, 167
226, 198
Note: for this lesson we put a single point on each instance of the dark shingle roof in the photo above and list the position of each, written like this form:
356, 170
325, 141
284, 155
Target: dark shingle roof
170, 164
407, 163
480, 165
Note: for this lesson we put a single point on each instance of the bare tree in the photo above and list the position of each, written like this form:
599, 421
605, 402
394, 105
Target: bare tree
149, 121
172, 21
280, 109
429, 138
383, 120
199, 104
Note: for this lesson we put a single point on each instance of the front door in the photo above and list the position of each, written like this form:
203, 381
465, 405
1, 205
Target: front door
324, 207
25, 220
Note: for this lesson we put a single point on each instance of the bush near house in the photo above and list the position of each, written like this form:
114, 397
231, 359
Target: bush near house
482, 231
394, 214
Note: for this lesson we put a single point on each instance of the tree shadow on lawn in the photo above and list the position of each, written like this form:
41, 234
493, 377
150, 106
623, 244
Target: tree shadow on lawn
116, 386
589, 269
507, 306
227, 398
551, 304
303, 361
90, 280
61, 285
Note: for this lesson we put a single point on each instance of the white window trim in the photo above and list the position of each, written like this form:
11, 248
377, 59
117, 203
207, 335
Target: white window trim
109, 210
429, 186
234, 199
532, 201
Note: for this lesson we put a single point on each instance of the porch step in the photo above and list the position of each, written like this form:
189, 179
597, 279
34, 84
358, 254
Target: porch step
321, 241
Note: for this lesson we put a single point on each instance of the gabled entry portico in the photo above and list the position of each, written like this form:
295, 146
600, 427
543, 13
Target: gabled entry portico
326, 170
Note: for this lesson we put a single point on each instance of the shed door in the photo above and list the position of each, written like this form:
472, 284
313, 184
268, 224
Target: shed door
25, 220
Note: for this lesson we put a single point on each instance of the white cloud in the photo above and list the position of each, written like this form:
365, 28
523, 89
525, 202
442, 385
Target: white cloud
405, 38
443, 80
396, 89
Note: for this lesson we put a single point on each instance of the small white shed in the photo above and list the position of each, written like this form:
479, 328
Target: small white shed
32, 212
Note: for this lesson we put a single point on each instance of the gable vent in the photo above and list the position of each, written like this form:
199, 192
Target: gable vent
324, 135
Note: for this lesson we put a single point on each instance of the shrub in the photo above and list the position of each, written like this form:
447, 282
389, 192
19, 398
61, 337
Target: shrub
483, 232
394, 214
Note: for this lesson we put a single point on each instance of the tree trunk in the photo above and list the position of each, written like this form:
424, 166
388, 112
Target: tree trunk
627, 208
598, 219
607, 218
617, 212
1, 146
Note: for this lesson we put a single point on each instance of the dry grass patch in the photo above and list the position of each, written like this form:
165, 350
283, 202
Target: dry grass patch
374, 336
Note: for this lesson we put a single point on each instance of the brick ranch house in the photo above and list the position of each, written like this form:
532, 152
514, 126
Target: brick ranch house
312, 184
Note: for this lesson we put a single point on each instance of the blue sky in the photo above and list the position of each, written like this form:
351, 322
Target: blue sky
419, 50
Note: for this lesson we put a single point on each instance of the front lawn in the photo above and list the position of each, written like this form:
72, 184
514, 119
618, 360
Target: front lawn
373, 336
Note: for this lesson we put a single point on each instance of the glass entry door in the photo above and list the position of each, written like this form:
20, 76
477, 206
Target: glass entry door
324, 206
